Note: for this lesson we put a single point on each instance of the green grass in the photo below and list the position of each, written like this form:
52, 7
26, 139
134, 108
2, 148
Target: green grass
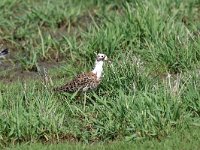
184, 139
150, 89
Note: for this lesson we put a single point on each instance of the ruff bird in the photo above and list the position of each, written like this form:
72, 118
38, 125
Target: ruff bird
86, 81
3, 53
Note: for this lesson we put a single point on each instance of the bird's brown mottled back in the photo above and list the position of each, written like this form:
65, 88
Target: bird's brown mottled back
81, 82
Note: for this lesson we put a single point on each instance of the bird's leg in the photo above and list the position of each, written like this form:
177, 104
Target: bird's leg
84, 102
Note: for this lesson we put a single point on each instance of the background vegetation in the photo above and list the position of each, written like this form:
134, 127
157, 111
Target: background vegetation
150, 89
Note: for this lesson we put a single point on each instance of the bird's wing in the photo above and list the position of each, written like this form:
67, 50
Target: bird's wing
78, 83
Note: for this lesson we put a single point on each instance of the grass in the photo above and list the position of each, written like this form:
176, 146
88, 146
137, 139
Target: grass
148, 91
186, 139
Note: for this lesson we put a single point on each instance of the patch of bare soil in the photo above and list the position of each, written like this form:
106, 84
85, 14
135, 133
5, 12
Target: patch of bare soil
10, 73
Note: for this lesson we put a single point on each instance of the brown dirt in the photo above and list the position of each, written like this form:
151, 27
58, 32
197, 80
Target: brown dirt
10, 73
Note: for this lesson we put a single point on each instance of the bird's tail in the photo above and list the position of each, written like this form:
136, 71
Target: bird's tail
65, 88
59, 89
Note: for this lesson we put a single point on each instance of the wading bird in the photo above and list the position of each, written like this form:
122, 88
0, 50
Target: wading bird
86, 81
3, 53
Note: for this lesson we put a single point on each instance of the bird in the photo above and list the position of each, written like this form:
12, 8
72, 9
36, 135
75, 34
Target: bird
85, 81
3, 53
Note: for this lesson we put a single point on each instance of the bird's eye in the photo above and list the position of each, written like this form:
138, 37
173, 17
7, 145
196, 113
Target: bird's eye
102, 56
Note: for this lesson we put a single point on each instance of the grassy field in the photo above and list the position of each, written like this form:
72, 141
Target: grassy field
184, 140
150, 89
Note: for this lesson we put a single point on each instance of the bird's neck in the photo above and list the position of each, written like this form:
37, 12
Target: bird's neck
98, 69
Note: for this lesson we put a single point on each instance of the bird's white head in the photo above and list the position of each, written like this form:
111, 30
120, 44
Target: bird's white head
101, 57
98, 69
